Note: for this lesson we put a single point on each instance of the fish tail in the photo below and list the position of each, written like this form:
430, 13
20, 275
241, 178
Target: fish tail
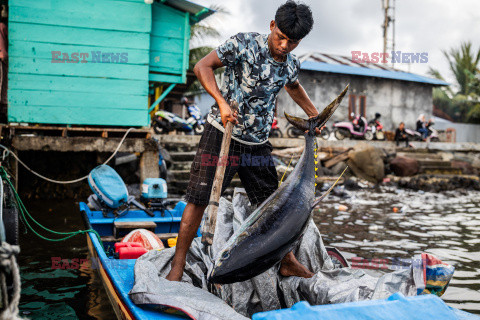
320, 120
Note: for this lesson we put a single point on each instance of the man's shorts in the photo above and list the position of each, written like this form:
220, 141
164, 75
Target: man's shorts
253, 163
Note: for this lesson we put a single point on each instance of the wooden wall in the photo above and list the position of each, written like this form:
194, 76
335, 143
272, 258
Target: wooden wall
43, 91
169, 44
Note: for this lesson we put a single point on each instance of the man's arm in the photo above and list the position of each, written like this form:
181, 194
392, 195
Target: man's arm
204, 72
300, 96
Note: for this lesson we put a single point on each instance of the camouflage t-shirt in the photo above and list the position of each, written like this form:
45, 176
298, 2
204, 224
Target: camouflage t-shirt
253, 79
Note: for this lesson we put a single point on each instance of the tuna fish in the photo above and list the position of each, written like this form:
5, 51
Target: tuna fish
274, 228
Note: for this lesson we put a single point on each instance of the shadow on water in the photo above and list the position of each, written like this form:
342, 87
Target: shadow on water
446, 225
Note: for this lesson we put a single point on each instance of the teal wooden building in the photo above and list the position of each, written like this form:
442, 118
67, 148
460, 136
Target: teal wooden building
93, 62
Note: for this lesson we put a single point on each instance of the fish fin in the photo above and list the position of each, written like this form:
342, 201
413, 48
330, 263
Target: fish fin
299, 123
321, 119
317, 201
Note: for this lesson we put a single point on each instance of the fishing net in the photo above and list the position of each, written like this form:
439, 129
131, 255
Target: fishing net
269, 290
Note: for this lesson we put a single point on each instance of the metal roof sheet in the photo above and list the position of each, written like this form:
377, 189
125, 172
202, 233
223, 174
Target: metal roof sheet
196, 11
345, 65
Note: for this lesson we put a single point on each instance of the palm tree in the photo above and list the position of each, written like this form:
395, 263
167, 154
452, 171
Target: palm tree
464, 64
463, 104
200, 33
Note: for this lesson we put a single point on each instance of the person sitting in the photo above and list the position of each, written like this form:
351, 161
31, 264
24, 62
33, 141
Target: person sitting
358, 123
422, 126
401, 135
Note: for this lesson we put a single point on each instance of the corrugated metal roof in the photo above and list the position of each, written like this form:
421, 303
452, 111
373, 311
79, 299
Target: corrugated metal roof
345, 65
196, 11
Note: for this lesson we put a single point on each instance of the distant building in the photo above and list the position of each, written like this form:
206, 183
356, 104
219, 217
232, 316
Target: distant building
397, 95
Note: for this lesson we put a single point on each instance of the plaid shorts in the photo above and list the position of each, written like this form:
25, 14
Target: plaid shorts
253, 163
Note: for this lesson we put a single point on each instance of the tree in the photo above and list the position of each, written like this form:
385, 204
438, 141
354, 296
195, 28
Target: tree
461, 104
199, 34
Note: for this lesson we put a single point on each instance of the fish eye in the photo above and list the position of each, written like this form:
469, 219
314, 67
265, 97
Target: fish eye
225, 255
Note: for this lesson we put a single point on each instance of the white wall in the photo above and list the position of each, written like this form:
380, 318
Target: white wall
397, 101
465, 132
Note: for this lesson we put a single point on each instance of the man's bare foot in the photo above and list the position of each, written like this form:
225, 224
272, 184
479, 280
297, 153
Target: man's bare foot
292, 267
176, 272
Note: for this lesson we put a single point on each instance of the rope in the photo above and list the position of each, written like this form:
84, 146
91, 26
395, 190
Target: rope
67, 181
281, 180
8, 264
24, 214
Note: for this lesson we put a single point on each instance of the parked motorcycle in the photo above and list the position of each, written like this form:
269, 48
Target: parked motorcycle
275, 131
165, 121
293, 132
346, 129
376, 127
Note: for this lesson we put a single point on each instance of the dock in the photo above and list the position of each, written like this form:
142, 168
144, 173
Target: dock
66, 143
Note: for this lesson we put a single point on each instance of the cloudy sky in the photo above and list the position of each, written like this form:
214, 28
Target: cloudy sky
342, 26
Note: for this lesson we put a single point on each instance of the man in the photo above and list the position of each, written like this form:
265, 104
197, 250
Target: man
401, 134
422, 126
257, 68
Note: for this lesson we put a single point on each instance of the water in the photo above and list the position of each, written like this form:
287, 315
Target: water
50, 290
446, 225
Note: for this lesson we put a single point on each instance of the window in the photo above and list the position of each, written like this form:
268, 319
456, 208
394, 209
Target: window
352, 108
352, 105
363, 105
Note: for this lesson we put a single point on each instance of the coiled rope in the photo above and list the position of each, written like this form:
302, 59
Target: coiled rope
8, 265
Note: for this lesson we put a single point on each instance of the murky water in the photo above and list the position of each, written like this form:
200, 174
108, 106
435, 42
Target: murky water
55, 289
446, 225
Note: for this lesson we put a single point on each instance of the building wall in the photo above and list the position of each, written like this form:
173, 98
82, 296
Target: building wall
395, 100
169, 44
114, 93
464, 132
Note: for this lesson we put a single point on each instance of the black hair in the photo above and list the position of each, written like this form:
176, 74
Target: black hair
294, 19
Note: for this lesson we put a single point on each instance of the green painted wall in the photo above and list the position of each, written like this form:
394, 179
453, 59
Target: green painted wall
115, 93
169, 44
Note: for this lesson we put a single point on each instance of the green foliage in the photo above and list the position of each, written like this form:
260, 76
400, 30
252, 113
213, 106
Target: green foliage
473, 116
199, 34
463, 103
463, 63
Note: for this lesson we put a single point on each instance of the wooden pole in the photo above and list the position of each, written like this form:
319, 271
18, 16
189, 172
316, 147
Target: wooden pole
208, 228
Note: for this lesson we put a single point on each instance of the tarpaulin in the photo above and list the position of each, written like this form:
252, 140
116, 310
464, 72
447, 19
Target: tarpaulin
269, 290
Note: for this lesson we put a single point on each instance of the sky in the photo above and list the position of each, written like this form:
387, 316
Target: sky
343, 26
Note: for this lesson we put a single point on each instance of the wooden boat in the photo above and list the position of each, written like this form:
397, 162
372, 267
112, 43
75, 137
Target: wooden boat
117, 275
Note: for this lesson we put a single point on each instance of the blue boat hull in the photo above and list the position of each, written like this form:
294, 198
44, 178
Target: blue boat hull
118, 279
117, 275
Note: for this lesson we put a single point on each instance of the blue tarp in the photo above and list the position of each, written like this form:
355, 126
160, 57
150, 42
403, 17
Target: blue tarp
396, 306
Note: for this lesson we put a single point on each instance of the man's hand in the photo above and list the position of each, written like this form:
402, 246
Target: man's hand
317, 130
227, 114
